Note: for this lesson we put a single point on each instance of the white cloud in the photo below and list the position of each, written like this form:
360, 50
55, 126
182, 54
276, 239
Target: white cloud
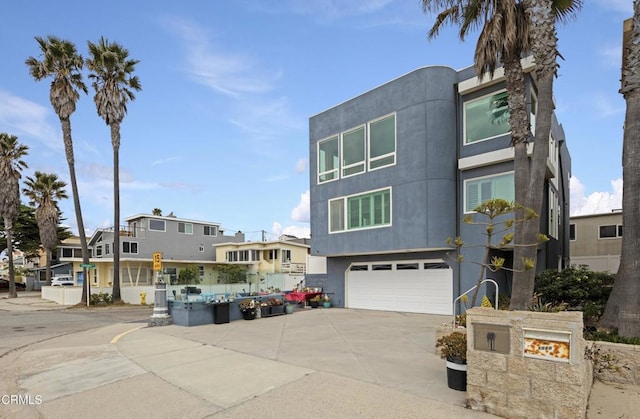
321, 9
298, 231
301, 212
19, 116
595, 202
301, 165
224, 72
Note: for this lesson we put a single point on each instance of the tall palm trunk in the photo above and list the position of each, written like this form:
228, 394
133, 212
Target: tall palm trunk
48, 270
8, 223
623, 306
115, 142
68, 148
544, 46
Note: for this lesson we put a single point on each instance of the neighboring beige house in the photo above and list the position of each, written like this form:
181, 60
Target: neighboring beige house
266, 257
596, 240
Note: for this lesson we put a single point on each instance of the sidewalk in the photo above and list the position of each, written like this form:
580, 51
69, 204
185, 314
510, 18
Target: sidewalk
323, 363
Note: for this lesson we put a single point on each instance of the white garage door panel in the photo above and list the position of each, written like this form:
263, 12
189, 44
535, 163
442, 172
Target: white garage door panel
414, 291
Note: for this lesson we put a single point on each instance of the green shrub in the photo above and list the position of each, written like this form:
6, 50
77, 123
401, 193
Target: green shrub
578, 288
611, 336
101, 298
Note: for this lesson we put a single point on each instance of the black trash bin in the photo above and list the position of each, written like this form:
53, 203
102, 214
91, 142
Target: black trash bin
220, 313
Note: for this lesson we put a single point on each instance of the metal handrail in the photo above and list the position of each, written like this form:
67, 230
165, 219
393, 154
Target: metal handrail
474, 287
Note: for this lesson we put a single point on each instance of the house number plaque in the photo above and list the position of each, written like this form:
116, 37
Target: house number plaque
492, 338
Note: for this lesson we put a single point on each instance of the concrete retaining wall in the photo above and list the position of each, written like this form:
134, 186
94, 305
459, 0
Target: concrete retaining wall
626, 363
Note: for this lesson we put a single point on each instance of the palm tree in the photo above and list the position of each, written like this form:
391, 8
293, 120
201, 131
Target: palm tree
156, 211
504, 38
622, 311
111, 72
11, 165
61, 61
543, 15
45, 190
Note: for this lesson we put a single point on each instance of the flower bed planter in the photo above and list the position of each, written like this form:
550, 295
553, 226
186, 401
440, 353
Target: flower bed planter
191, 313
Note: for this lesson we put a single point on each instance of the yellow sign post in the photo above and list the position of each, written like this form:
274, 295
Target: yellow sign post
157, 261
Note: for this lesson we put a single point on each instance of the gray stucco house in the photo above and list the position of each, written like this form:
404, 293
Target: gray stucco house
179, 241
393, 173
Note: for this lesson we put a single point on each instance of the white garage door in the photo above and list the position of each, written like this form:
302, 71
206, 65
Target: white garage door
408, 286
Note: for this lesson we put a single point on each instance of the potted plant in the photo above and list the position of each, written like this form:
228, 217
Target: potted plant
315, 301
248, 308
453, 348
326, 301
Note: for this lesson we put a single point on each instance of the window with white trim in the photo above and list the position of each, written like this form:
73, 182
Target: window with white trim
553, 213
534, 112
286, 255
328, 159
210, 231
367, 147
612, 231
130, 247
486, 117
479, 190
156, 225
353, 152
368, 210
382, 142
185, 228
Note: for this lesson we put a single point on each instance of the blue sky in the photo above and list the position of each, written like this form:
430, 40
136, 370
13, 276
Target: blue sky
220, 130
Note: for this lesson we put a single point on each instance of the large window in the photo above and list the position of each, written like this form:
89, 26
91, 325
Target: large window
610, 231
486, 117
130, 247
185, 228
210, 230
156, 225
368, 210
354, 151
482, 189
382, 142
328, 159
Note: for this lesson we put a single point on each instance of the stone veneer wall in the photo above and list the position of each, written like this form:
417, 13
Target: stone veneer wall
512, 385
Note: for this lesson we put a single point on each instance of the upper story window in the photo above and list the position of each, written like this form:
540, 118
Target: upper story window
255, 255
328, 159
286, 255
382, 142
156, 225
479, 190
486, 117
66, 252
185, 228
107, 248
367, 147
554, 213
369, 210
130, 247
610, 231
353, 152
553, 150
572, 232
534, 112
210, 230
